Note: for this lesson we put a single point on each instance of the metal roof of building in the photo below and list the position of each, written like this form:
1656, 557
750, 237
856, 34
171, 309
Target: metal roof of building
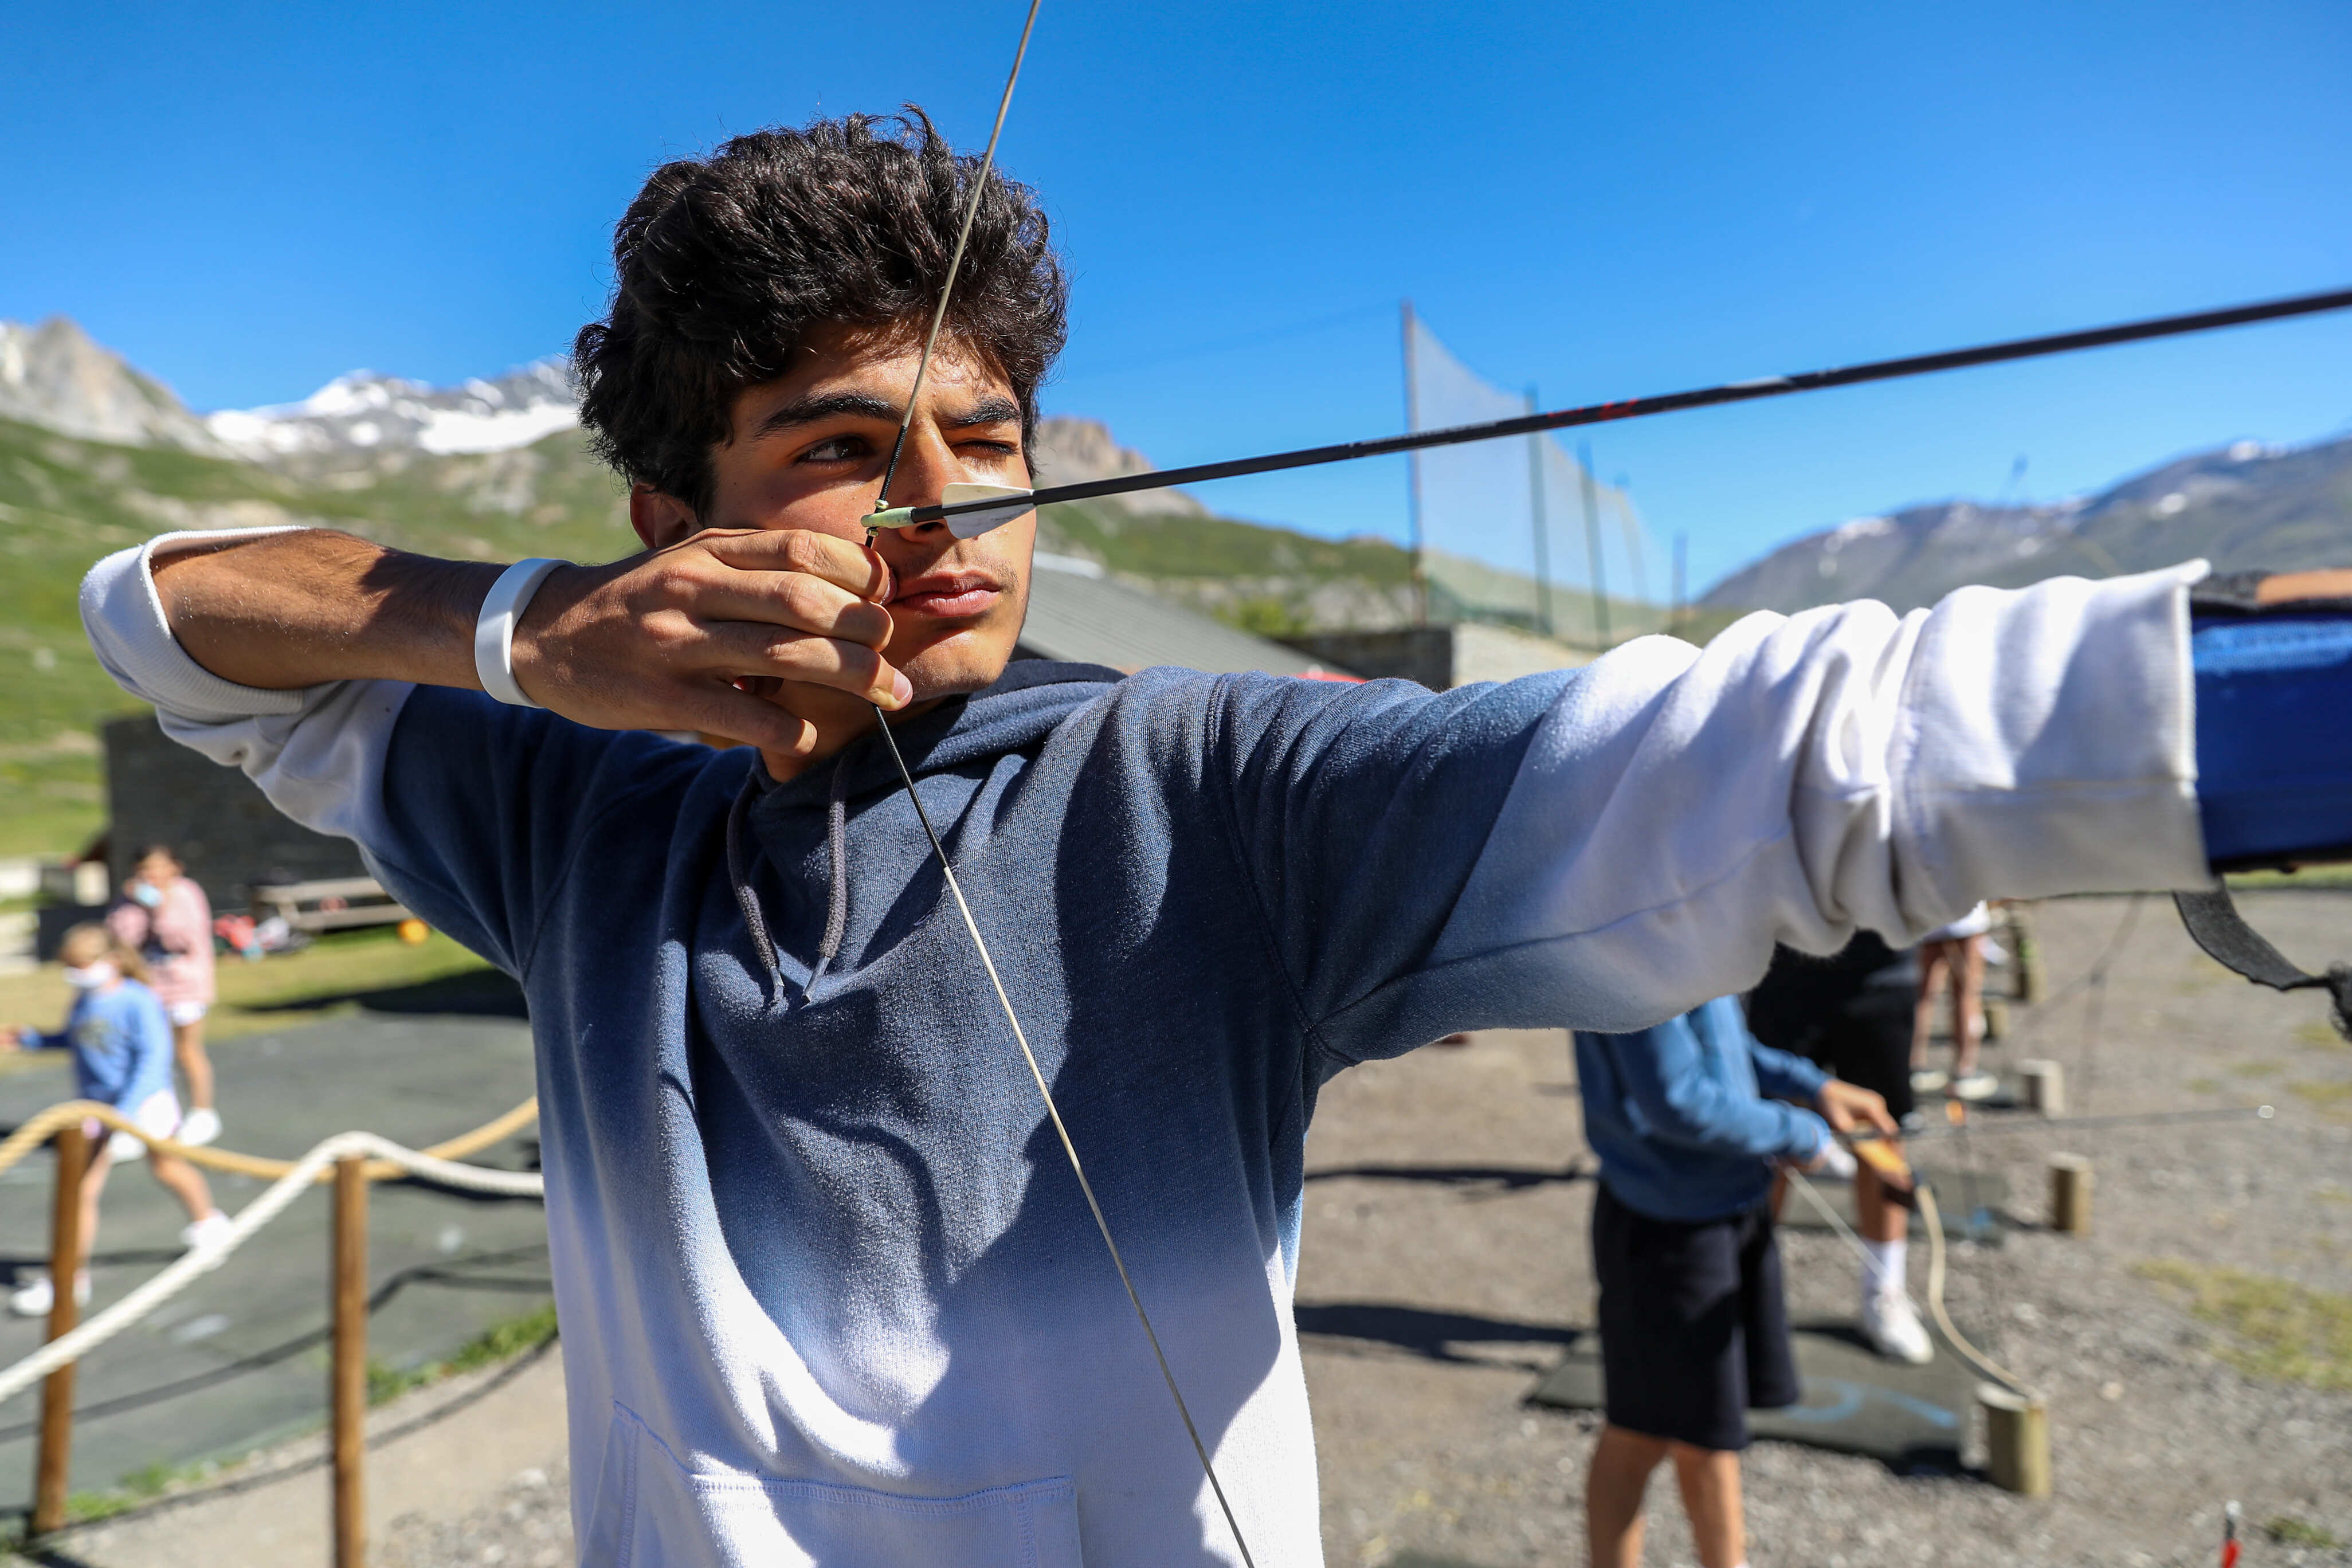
1075, 614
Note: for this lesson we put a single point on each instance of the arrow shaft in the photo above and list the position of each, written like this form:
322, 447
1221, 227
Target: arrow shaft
1676, 401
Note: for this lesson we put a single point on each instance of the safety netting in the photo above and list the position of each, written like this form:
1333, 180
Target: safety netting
1517, 530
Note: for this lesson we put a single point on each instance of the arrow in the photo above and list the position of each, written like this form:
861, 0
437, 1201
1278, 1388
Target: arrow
948, 511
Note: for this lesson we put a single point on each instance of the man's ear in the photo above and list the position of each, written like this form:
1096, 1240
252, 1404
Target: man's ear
659, 519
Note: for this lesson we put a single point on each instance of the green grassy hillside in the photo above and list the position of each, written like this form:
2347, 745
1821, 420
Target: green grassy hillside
65, 502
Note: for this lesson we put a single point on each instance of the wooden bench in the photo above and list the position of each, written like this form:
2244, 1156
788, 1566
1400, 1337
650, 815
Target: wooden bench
335, 905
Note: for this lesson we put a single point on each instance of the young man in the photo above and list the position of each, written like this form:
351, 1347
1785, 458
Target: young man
829, 1291
1687, 1122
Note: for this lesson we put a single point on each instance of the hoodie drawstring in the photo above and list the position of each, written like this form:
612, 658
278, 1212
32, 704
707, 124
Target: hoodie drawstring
836, 897
743, 852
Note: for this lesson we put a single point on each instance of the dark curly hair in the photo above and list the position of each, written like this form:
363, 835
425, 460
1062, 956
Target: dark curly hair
723, 263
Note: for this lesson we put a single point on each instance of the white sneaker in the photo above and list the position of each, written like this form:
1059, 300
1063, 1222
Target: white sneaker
1893, 1328
35, 1297
1927, 1080
123, 1148
1978, 1085
205, 1232
200, 1126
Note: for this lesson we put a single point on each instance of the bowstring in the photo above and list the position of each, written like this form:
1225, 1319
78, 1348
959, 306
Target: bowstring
955, 261
1062, 1131
947, 869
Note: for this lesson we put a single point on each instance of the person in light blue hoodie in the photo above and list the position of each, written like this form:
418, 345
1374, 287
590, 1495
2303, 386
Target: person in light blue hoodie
830, 1288
121, 1046
1689, 1121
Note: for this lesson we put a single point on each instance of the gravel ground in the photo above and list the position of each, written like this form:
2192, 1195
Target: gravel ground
1445, 1261
1428, 1448
529, 1526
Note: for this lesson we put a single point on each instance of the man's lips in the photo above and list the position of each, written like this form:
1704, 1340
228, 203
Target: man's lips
947, 594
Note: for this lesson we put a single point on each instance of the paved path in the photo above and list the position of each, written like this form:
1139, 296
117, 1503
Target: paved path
239, 1359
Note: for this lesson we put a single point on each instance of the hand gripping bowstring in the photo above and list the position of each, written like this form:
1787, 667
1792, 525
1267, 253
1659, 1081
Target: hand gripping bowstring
938, 850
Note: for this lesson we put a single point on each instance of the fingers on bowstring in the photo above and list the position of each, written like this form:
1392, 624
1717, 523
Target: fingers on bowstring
753, 720
849, 564
734, 648
765, 601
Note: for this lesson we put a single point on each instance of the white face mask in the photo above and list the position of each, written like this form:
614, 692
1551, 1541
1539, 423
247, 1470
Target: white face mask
91, 977
147, 894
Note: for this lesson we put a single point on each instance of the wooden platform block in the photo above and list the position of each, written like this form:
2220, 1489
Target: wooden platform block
2017, 1440
2070, 1194
2043, 1086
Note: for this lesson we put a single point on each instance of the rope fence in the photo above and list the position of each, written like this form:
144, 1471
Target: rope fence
299, 1175
350, 1160
386, 1160
36, 1132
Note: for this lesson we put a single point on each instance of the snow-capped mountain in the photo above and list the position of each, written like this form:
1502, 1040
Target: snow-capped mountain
366, 413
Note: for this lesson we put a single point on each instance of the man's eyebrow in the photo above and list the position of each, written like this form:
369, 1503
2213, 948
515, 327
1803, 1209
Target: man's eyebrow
987, 411
832, 405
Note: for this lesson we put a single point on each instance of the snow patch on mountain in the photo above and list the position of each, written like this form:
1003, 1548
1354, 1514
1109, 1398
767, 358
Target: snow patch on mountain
366, 412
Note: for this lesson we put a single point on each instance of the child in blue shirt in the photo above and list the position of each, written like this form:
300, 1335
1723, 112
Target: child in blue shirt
1688, 1120
121, 1044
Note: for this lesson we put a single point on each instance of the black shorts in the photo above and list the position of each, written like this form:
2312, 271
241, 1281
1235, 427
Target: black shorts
1850, 1012
1694, 1326
1868, 1043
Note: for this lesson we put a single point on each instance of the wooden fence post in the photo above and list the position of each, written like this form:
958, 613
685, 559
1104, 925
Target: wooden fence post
347, 1381
54, 1468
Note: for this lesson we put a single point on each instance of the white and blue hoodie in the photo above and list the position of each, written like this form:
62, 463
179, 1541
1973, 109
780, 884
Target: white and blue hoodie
829, 1293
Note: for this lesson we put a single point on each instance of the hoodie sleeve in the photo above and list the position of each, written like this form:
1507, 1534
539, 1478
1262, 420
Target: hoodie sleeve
490, 802
1781, 1075
1665, 1073
318, 754
1606, 848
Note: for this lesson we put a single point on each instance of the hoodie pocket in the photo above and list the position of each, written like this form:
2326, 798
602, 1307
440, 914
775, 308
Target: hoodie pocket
651, 1512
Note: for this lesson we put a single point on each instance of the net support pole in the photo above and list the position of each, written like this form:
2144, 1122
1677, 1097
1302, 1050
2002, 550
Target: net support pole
1592, 547
1413, 476
1542, 529
1681, 581
347, 1378
54, 1468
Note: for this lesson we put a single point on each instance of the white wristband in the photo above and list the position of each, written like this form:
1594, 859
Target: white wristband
494, 629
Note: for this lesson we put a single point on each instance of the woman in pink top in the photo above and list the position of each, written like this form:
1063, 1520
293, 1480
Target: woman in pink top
166, 919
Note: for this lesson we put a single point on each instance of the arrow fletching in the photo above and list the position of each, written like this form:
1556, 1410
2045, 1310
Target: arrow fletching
972, 524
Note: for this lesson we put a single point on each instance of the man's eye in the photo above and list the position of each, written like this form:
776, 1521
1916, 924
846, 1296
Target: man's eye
993, 448
840, 449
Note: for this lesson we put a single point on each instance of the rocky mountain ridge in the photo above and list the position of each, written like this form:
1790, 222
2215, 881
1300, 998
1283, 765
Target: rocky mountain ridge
2242, 507
54, 377
365, 424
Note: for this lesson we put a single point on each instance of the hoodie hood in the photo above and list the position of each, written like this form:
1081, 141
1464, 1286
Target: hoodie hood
1027, 703
769, 820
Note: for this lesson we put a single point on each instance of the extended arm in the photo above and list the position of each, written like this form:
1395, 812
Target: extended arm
656, 641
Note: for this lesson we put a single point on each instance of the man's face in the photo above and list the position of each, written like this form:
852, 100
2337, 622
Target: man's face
808, 451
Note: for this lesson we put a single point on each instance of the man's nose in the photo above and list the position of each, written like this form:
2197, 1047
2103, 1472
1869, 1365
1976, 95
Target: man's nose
926, 463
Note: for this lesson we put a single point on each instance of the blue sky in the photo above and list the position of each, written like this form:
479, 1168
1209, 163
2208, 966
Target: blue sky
1601, 201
